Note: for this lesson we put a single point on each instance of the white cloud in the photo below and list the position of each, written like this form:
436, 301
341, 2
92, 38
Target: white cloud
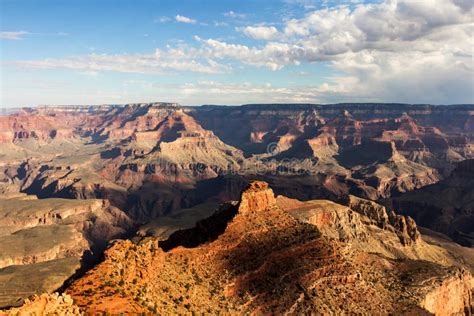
220, 24
235, 15
13, 35
273, 55
161, 62
420, 77
206, 92
184, 19
399, 50
411, 51
162, 19
396, 50
261, 32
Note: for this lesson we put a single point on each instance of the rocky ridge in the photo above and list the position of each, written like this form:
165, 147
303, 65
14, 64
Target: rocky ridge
246, 250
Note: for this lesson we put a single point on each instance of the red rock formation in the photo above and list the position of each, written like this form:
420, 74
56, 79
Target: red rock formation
260, 259
404, 226
256, 197
153, 159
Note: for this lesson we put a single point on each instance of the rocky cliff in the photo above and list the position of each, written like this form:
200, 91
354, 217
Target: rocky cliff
143, 150
404, 226
256, 197
44, 241
96, 170
451, 295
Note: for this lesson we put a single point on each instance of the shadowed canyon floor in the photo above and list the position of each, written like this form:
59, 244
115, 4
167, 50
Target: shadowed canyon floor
73, 179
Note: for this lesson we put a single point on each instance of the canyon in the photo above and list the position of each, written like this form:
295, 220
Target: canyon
148, 208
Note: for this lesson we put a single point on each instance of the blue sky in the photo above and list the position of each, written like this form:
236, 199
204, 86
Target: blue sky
234, 52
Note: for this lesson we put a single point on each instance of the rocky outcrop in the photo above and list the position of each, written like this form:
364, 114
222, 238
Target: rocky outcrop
404, 226
255, 247
332, 220
450, 295
256, 197
46, 304
360, 232
175, 149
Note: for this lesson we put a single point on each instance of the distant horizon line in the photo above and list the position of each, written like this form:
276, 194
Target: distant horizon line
176, 104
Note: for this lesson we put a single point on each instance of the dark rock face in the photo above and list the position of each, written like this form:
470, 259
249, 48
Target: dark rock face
205, 230
446, 206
